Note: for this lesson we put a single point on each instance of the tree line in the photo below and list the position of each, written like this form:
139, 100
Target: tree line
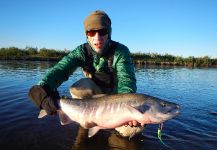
167, 59
30, 53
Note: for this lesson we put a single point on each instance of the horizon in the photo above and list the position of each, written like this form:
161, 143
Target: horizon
176, 27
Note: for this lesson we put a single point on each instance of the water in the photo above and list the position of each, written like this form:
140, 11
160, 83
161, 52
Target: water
195, 128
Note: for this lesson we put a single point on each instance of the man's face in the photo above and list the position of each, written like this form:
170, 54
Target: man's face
97, 39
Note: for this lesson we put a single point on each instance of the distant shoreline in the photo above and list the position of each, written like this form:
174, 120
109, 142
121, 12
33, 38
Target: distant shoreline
30, 58
44, 54
136, 61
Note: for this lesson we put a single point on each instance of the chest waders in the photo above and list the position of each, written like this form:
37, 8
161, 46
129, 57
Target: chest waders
104, 79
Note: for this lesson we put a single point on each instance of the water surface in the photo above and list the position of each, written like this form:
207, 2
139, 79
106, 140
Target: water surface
194, 89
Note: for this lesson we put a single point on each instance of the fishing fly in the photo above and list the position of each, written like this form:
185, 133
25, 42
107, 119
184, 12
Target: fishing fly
159, 134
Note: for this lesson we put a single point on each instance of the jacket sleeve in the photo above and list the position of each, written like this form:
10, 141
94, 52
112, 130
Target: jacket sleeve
63, 69
125, 73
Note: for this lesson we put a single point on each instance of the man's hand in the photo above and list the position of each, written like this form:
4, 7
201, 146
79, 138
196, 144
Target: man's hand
50, 105
134, 123
44, 99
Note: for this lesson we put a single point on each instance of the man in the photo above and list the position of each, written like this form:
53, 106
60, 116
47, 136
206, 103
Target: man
106, 62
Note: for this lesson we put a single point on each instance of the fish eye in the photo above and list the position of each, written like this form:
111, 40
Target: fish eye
163, 104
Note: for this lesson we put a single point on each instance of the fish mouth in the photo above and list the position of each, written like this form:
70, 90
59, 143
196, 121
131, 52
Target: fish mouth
171, 114
175, 110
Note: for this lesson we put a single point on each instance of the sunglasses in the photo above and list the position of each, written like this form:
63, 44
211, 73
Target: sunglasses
101, 32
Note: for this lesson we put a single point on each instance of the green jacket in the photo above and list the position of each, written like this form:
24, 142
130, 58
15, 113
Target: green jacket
122, 66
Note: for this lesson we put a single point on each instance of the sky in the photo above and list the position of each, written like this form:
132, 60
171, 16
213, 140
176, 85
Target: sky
177, 27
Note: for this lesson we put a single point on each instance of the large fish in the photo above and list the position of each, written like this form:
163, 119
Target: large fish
112, 111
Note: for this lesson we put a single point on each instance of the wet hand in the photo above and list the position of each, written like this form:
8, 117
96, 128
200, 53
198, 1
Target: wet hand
44, 98
133, 123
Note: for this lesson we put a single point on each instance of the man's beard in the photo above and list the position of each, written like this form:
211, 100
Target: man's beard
101, 51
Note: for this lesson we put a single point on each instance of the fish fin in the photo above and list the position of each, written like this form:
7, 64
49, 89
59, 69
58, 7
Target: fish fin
42, 113
64, 119
93, 131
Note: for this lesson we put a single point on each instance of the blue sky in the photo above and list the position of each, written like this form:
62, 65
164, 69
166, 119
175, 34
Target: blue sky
178, 27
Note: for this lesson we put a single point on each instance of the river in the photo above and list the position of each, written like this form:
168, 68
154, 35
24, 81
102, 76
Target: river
195, 128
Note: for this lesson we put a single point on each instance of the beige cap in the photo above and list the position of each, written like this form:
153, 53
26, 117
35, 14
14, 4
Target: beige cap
97, 20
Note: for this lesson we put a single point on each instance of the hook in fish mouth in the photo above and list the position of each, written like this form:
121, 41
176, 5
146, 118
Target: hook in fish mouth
161, 126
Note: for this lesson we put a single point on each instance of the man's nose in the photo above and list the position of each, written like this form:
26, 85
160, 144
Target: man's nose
97, 36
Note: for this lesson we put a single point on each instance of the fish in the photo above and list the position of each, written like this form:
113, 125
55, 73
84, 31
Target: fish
115, 110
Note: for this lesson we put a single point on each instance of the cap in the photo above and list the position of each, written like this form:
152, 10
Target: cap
97, 20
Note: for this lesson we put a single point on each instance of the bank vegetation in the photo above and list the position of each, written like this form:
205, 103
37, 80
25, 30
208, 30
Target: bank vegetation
44, 54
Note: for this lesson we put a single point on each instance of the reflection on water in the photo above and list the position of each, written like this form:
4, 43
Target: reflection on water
32, 65
106, 140
194, 89
102, 140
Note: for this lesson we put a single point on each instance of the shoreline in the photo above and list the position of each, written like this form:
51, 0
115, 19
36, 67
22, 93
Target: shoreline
30, 58
136, 62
